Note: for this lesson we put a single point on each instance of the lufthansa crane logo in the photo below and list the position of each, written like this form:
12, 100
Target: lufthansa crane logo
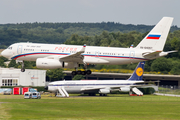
139, 71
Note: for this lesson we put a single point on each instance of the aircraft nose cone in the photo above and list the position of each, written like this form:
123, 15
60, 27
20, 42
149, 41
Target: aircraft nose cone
3, 53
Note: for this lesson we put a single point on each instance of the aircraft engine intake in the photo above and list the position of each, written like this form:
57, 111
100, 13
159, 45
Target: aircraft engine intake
124, 89
52, 63
104, 91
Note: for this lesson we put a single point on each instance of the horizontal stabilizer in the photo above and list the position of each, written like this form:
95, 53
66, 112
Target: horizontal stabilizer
151, 54
156, 54
166, 53
171, 51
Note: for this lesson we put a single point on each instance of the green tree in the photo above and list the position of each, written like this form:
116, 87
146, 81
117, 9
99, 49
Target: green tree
161, 65
176, 69
55, 74
2, 60
13, 64
2, 63
59, 30
29, 64
175, 43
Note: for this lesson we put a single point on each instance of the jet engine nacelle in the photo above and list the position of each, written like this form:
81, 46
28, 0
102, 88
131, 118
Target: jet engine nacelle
124, 89
104, 91
52, 64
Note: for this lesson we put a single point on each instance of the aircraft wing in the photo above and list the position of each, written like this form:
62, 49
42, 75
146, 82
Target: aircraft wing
98, 88
76, 57
124, 87
91, 88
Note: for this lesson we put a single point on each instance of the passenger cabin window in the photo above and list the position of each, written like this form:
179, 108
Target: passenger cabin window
28, 49
45, 50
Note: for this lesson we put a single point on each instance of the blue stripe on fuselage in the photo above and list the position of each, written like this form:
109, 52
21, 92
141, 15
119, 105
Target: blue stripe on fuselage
88, 55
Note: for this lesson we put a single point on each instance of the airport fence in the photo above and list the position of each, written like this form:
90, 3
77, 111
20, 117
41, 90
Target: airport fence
169, 89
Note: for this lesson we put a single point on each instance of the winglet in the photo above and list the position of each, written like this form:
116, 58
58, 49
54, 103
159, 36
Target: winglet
138, 73
83, 49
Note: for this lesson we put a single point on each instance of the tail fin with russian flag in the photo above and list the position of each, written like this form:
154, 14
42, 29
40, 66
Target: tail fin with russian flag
156, 38
138, 72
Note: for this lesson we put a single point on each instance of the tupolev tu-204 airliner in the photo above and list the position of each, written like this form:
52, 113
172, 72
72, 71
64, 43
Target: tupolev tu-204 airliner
51, 56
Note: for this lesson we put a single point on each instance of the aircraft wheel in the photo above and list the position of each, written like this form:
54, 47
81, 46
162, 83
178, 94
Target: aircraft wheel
22, 70
88, 72
83, 72
79, 72
73, 73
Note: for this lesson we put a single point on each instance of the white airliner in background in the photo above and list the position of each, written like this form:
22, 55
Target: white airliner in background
102, 87
51, 56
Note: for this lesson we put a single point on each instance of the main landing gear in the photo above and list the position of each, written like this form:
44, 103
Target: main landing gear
88, 72
79, 72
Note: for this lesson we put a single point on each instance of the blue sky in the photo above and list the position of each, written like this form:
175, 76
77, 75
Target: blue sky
121, 11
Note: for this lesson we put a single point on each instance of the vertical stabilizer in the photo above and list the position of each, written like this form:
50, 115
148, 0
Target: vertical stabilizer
138, 72
156, 38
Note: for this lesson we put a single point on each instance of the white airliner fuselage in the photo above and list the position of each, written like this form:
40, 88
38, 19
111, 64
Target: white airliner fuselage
92, 54
96, 86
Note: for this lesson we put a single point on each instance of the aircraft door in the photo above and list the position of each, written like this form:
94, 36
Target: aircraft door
132, 55
96, 53
19, 49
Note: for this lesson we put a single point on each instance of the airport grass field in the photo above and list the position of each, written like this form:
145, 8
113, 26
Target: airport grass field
112, 107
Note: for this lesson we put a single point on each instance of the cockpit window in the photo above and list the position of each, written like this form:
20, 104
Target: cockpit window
9, 48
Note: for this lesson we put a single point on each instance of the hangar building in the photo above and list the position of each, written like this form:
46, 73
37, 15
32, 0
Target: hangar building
14, 77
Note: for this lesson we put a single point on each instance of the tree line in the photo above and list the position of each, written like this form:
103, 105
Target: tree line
58, 33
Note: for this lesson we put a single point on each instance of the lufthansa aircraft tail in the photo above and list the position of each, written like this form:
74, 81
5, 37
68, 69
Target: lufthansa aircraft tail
156, 38
138, 72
